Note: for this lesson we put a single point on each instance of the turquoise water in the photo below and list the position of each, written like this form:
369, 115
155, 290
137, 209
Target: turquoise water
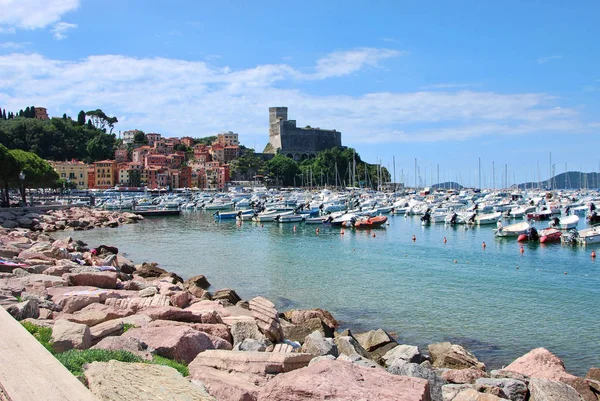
423, 291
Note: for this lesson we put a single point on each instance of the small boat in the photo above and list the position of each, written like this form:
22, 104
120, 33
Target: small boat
530, 235
289, 218
540, 216
486, 219
369, 222
315, 220
584, 237
550, 235
225, 215
593, 218
565, 222
513, 230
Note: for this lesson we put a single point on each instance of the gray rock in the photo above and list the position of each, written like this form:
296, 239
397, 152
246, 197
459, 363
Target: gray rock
244, 329
453, 356
148, 292
7, 298
120, 381
348, 345
68, 335
24, 310
546, 390
515, 390
316, 344
507, 374
374, 339
10, 224
413, 370
250, 344
405, 352
25, 222
450, 391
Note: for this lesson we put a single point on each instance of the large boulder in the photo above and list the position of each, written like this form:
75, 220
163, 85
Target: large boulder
177, 342
132, 345
453, 356
474, 395
141, 303
463, 376
299, 316
197, 285
402, 368
515, 390
541, 363
68, 335
151, 270
95, 314
258, 363
119, 381
105, 329
215, 329
243, 329
71, 304
371, 340
298, 332
99, 279
318, 345
347, 345
267, 318
228, 295
226, 386
547, 390
404, 352
335, 380
24, 310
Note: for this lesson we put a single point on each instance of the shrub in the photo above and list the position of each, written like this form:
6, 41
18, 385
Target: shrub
42, 334
179, 366
128, 326
75, 359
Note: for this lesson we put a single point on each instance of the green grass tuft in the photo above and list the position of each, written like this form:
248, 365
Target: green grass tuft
42, 334
19, 299
128, 326
74, 359
181, 367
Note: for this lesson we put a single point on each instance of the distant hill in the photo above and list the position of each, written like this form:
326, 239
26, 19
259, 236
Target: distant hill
568, 180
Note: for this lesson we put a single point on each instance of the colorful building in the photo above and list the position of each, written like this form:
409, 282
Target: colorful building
74, 171
106, 174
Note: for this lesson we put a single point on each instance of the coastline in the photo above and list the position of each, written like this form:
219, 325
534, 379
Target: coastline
147, 289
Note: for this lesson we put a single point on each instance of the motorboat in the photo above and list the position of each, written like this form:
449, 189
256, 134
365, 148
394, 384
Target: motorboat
315, 220
513, 230
550, 235
540, 216
584, 237
225, 215
488, 218
289, 218
368, 222
565, 222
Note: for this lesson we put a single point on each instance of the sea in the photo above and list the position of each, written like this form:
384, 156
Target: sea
495, 300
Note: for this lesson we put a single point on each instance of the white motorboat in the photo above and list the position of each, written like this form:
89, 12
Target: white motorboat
584, 237
289, 218
512, 230
488, 218
565, 222
315, 220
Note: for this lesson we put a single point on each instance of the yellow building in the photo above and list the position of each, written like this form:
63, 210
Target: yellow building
74, 171
106, 174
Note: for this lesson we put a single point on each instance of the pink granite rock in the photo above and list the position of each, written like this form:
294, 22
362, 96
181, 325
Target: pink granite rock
177, 342
463, 376
453, 356
267, 318
542, 364
336, 380
299, 316
100, 279
226, 386
68, 335
182, 315
215, 329
139, 303
74, 303
180, 299
95, 314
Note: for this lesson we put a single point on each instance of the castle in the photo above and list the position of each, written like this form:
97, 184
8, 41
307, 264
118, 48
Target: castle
297, 143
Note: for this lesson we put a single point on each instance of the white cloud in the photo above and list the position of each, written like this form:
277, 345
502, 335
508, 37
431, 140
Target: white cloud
9, 30
177, 98
32, 14
14, 45
450, 85
544, 60
60, 30
342, 63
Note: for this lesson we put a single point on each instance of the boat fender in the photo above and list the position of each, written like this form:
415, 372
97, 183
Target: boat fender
593, 254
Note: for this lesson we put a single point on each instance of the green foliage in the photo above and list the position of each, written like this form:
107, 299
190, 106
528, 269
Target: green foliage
81, 118
42, 334
247, 166
181, 367
100, 147
74, 359
101, 121
9, 168
140, 137
205, 141
56, 139
128, 326
38, 172
283, 169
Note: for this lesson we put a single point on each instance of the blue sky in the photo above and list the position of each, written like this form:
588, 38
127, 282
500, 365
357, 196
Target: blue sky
443, 82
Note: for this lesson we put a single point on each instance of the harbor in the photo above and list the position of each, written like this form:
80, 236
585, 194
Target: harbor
443, 285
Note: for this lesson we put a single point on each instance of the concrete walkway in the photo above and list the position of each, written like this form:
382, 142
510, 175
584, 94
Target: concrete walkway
29, 372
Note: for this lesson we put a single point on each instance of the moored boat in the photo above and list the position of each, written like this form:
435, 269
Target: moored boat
513, 230
565, 222
368, 222
550, 235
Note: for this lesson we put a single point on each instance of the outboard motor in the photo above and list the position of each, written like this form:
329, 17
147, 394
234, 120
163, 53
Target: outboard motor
568, 210
555, 222
573, 234
472, 218
453, 219
533, 234
426, 218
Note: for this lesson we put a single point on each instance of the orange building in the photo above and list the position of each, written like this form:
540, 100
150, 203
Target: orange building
188, 141
106, 174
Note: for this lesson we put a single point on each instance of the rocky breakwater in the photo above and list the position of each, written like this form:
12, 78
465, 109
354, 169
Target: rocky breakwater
237, 349
75, 218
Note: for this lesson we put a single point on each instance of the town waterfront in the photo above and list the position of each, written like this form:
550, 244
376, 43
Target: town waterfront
497, 302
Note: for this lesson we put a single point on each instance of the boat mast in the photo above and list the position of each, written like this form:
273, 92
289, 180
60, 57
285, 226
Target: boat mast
394, 159
480, 173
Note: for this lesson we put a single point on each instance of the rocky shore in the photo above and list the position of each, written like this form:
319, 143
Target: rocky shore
235, 349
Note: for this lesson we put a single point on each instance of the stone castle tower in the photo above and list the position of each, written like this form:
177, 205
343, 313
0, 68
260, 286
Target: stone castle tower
294, 142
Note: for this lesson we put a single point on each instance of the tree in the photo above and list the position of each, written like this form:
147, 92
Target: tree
64, 117
9, 169
38, 172
101, 147
101, 120
135, 178
139, 137
283, 168
81, 118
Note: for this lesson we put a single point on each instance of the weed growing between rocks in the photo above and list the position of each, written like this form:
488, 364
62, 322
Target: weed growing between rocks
179, 366
42, 334
128, 326
74, 359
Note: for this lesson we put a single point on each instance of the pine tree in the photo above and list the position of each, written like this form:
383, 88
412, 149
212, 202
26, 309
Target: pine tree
81, 118
1, 118
4, 114
32, 111
21, 113
89, 124
27, 113
64, 116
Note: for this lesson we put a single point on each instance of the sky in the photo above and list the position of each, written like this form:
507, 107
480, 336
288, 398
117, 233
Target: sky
515, 84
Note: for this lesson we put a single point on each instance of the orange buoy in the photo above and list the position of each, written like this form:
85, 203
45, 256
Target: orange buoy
374, 235
445, 240
483, 245
317, 231
294, 228
522, 250
593, 254
414, 238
